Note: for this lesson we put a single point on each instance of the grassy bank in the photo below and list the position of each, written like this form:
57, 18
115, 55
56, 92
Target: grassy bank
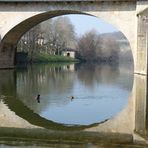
42, 58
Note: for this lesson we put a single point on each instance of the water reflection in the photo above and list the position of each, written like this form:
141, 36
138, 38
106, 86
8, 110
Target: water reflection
50, 81
8, 82
16, 85
99, 91
91, 74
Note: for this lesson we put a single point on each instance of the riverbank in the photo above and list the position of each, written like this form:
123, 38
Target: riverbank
41, 57
23, 57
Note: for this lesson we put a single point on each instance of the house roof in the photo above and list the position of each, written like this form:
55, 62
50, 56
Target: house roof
69, 49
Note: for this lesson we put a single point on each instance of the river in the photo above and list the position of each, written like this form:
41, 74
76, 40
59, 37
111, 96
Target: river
73, 94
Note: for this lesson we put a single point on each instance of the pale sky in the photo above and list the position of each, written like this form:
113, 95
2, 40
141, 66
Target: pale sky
85, 23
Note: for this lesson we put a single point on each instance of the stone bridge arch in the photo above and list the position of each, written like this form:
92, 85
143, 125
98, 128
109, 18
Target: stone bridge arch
18, 18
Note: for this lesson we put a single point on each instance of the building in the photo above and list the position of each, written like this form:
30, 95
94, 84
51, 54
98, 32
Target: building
69, 52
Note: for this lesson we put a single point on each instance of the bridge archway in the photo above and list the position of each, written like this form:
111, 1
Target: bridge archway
9, 41
27, 15
13, 35
119, 17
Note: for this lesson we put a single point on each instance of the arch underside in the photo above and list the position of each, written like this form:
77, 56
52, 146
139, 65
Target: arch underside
114, 18
119, 19
117, 16
9, 42
14, 35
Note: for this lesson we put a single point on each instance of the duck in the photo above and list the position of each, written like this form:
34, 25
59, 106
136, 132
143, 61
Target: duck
38, 98
72, 97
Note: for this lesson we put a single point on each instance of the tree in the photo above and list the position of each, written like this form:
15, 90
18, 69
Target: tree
89, 46
34, 35
59, 34
110, 49
30, 41
56, 34
99, 48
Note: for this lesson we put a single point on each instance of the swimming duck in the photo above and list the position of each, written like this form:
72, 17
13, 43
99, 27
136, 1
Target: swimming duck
38, 98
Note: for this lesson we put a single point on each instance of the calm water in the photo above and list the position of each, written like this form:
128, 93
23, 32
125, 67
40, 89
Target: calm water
99, 91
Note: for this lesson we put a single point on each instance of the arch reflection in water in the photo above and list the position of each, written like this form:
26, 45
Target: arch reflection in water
100, 91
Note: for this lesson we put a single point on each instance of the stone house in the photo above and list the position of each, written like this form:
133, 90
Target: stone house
69, 53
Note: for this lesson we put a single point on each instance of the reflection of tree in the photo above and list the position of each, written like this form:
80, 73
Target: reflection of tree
90, 73
7, 82
126, 70
86, 74
107, 73
55, 84
51, 81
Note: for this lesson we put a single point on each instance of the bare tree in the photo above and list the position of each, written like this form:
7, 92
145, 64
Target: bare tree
94, 47
110, 49
59, 34
88, 46
51, 36
30, 41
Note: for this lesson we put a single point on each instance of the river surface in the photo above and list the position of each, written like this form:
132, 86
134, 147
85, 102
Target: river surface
99, 92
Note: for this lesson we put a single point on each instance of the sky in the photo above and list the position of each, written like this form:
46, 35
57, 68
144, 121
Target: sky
85, 23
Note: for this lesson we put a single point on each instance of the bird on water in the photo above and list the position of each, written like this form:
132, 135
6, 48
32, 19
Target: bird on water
72, 97
38, 98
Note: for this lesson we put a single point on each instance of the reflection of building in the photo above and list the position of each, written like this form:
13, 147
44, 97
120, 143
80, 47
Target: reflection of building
69, 52
70, 67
